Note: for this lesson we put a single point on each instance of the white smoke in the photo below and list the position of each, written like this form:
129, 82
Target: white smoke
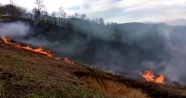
14, 29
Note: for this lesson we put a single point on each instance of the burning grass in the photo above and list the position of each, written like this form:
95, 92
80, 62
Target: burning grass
149, 76
37, 50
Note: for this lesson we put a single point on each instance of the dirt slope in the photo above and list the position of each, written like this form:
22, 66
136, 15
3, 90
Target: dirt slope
25, 74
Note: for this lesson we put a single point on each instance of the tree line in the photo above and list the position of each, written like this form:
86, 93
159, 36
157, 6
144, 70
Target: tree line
39, 13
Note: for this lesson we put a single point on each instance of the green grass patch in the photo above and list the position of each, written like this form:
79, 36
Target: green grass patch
11, 60
80, 91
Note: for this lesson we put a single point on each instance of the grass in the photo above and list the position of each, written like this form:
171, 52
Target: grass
82, 92
16, 86
27, 74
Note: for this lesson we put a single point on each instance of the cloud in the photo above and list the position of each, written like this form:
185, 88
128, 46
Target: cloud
117, 10
136, 10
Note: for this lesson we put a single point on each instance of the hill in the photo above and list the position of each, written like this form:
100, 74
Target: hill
29, 74
178, 22
127, 49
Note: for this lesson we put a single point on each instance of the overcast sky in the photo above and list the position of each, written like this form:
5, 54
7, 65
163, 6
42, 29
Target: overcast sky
116, 10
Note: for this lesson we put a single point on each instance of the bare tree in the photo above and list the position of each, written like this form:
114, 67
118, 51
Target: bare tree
62, 12
40, 5
39, 9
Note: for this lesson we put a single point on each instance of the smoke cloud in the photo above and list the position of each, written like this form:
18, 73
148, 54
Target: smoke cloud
14, 29
123, 48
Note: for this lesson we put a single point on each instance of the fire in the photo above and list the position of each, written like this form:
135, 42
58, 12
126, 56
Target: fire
68, 61
37, 50
6, 40
149, 76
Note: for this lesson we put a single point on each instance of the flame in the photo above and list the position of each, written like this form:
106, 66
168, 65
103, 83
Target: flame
37, 50
149, 76
6, 40
160, 79
67, 61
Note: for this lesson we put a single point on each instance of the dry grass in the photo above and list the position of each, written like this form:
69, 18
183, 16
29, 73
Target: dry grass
113, 88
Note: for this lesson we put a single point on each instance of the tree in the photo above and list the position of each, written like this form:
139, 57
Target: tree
54, 21
40, 5
101, 21
83, 16
11, 2
12, 10
39, 9
36, 13
62, 12
76, 15
22, 10
97, 20
53, 14
44, 13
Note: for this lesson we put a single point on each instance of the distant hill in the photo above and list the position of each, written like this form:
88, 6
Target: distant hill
179, 22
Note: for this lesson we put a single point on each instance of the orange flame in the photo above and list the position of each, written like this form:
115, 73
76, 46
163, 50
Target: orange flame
68, 61
149, 76
6, 40
37, 50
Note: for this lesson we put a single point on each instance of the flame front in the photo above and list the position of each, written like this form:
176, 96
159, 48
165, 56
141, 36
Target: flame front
160, 79
67, 61
6, 40
37, 50
149, 76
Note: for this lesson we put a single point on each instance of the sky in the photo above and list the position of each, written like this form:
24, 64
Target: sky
120, 11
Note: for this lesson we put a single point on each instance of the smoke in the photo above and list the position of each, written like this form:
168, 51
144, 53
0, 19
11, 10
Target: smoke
175, 66
123, 48
63, 49
14, 29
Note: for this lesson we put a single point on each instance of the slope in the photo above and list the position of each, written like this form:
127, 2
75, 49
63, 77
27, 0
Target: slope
27, 74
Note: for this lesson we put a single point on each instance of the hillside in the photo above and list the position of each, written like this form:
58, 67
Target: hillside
34, 64
128, 49
28, 74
